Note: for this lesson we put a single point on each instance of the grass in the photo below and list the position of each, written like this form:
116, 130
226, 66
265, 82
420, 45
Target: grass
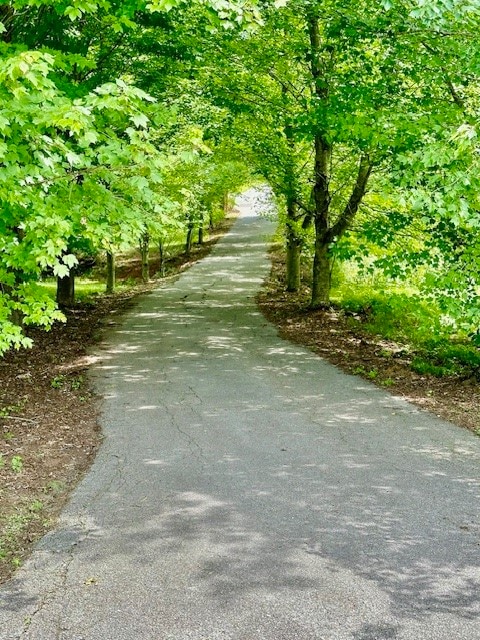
85, 288
14, 527
401, 315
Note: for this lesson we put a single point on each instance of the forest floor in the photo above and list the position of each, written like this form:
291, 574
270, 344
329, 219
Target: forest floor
49, 415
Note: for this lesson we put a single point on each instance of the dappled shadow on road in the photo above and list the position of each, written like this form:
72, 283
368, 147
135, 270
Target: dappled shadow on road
269, 477
342, 479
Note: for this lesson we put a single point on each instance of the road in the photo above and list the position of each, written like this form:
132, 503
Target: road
247, 490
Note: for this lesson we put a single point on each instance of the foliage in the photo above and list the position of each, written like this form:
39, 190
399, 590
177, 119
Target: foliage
363, 119
72, 167
416, 324
328, 98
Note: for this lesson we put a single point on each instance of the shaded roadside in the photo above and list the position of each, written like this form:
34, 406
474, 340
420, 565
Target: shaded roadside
332, 335
49, 431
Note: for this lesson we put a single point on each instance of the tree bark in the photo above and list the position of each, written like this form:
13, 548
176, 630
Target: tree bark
294, 247
365, 167
226, 203
321, 278
144, 252
161, 255
201, 234
7, 14
66, 290
188, 241
321, 281
293, 241
293, 263
321, 199
110, 272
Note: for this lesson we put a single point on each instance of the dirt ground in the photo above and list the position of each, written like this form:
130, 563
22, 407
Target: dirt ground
48, 415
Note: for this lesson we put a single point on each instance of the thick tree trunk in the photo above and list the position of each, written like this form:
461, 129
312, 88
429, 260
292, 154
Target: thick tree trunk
144, 252
66, 290
321, 282
110, 272
201, 234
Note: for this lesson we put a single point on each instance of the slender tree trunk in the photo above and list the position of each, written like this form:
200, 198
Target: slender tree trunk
293, 264
294, 243
188, 241
293, 251
320, 68
144, 252
66, 290
226, 203
7, 14
201, 234
110, 272
16, 316
321, 196
161, 255
321, 281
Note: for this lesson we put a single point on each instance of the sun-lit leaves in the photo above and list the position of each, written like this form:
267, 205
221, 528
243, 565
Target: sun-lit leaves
69, 169
88, 157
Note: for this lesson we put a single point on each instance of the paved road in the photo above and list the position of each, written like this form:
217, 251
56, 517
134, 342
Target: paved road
247, 490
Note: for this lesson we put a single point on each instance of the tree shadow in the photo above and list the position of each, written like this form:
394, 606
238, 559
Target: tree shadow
279, 485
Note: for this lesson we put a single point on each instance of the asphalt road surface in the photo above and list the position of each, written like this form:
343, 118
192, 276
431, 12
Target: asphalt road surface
247, 490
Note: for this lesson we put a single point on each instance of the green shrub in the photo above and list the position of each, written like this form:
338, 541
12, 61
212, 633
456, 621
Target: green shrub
402, 316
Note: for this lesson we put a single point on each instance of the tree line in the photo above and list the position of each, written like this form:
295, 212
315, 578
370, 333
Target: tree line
123, 121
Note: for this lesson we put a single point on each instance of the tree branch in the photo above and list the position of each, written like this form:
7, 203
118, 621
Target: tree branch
364, 170
453, 92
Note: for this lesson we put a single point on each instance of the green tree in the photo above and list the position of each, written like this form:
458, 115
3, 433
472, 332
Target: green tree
357, 85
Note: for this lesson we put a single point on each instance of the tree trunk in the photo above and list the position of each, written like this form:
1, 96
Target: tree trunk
161, 255
7, 14
110, 272
200, 235
321, 195
320, 68
294, 243
294, 248
321, 275
188, 241
293, 262
226, 203
17, 318
144, 252
66, 290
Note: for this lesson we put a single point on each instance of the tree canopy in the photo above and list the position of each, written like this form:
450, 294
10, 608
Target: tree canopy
120, 120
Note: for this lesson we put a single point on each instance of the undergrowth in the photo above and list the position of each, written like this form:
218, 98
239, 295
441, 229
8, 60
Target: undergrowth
435, 346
